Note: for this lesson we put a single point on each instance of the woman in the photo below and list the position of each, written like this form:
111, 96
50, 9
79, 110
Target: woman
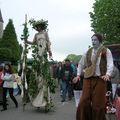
41, 38
8, 79
41, 96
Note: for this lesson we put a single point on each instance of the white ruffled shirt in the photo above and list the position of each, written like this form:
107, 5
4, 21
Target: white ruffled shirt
81, 64
8, 80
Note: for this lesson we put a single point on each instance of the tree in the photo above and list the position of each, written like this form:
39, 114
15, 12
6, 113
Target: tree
105, 19
74, 58
5, 54
9, 41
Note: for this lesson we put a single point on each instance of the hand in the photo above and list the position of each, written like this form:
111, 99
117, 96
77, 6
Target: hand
105, 77
14, 79
76, 79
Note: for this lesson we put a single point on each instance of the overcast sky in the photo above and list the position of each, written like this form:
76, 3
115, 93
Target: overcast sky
69, 22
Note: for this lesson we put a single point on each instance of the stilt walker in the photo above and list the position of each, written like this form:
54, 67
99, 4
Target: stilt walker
41, 84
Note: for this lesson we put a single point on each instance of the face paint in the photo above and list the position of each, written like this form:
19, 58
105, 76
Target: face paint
95, 42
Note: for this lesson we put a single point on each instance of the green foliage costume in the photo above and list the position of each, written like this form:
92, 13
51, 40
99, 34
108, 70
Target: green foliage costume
41, 83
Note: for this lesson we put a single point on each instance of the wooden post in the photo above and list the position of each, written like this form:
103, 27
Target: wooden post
23, 60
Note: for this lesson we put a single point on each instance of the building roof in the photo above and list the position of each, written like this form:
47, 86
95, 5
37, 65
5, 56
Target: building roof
115, 49
1, 19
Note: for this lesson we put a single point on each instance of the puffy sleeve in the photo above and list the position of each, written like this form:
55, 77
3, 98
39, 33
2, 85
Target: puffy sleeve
81, 65
109, 62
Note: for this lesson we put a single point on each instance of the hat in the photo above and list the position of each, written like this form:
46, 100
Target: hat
35, 24
99, 36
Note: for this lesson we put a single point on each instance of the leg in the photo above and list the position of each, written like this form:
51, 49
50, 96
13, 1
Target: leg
12, 97
64, 88
77, 95
98, 99
4, 98
60, 80
84, 106
69, 88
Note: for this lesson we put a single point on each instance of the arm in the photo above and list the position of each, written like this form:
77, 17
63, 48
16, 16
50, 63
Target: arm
81, 65
31, 42
80, 69
48, 44
8, 77
109, 65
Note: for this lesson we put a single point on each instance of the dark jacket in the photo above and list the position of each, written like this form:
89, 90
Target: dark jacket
59, 72
67, 73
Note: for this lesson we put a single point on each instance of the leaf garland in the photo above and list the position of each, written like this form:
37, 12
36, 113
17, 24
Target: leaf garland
41, 67
35, 24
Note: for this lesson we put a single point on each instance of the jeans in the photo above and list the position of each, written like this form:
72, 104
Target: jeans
60, 83
66, 87
11, 96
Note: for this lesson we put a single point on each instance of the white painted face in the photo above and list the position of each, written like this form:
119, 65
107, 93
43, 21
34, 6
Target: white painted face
95, 42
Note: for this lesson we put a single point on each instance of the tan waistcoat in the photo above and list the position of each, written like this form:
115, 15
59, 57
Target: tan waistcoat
90, 69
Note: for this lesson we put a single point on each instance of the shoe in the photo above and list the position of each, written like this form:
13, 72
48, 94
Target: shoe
16, 105
3, 109
69, 98
1, 103
62, 100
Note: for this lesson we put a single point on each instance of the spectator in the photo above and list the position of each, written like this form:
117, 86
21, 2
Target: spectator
67, 75
8, 79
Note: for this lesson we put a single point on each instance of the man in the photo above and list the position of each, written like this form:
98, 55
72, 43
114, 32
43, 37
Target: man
67, 75
97, 65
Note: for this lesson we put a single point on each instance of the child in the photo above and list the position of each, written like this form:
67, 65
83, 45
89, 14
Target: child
78, 90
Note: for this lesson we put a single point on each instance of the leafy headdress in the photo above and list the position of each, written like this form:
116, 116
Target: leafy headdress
35, 24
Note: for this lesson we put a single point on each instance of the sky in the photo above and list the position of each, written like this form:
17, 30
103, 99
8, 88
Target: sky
69, 22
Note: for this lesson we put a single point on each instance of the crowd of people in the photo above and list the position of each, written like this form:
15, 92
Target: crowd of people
85, 81
64, 73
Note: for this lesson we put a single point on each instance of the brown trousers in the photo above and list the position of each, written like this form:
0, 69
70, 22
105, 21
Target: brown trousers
92, 102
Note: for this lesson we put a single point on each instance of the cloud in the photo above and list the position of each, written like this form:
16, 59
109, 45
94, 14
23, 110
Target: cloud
69, 22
